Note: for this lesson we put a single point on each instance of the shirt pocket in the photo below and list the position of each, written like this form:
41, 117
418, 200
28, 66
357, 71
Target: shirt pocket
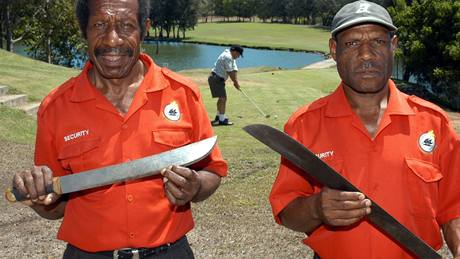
336, 164
172, 137
73, 156
422, 183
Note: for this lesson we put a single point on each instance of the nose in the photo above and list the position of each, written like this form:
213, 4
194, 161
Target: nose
111, 37
366, 52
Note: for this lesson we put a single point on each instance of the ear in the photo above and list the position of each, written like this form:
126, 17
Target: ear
394, 43
147, 25
333, 48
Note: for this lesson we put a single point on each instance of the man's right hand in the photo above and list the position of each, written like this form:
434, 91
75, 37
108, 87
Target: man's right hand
32, 183
339, 208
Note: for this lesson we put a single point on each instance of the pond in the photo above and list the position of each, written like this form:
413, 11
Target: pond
180, 56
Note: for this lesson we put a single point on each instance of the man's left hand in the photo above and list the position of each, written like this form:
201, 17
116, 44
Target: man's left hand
237, 85
181, 184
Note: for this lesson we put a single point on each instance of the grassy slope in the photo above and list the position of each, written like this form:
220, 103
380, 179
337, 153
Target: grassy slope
33, 77
280, 36
36, 79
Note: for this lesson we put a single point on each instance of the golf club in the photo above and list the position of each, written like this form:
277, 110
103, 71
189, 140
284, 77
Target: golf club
255, 105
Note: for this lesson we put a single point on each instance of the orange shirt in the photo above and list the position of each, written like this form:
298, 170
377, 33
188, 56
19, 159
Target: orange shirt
79, 129
411, 169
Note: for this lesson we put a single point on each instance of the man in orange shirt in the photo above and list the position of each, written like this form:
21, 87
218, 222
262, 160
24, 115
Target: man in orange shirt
121, 107
400, 150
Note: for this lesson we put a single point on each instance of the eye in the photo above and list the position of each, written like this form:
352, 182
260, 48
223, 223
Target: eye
99, 25
379, 43
352, 44
126, 26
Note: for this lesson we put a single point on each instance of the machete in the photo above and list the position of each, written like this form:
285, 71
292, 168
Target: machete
139, 168
304, 159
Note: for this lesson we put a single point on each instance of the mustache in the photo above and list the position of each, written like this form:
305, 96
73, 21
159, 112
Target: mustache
368, 66
114, 51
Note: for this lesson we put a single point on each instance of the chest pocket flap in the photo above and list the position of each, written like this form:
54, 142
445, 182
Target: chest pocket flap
72, 156
425, 170
78, 148
174, 137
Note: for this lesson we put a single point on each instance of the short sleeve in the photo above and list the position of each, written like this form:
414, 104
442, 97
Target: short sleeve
45, 151
229, 64
201, 130
290, 183
449, 187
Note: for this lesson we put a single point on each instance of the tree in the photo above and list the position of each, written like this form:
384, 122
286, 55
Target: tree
14, 19
187, 17
173, 17
429, 44
205, 9
53, 34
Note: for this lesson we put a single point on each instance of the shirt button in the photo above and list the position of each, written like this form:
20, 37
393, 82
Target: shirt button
131, 235
129, 197
124, 126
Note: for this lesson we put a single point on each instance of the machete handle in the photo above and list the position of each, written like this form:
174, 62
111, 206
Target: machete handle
13, 194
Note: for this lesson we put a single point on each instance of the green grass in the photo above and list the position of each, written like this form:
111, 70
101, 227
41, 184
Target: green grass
16, 126
278, 93
31, 77
274, 36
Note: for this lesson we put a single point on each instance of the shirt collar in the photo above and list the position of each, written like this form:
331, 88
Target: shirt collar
339, 106
154, 80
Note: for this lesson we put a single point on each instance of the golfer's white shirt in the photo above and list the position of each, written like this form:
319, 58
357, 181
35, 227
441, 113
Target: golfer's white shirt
224, 63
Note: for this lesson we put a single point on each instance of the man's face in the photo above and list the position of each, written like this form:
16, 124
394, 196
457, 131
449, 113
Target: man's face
113, 36
235, 54
364, 56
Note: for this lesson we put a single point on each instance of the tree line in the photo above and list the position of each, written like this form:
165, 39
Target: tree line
429, 30
284, 11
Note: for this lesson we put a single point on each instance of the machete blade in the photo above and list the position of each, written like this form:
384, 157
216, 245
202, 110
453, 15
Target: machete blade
139, 168
304, 159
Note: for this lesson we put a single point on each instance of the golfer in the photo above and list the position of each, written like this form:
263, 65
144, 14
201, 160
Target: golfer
224, 67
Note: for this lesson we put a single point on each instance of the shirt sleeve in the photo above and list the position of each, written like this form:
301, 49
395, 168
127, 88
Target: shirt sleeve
229, 64
202, 129
45, 152
235, 67
290, 183
449, 186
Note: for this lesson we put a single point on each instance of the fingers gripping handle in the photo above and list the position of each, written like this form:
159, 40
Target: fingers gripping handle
13, 194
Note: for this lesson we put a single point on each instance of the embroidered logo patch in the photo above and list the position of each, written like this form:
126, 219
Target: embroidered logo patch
172, 112
427, 141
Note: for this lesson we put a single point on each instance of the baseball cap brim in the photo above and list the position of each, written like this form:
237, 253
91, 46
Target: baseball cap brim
362, 20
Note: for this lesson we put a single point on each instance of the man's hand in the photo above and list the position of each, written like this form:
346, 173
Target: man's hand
339, 208
237, 85
451, 231
181, 184
32, 184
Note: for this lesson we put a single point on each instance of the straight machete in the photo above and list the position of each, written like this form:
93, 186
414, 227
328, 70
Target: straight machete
303, 158
134, 169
